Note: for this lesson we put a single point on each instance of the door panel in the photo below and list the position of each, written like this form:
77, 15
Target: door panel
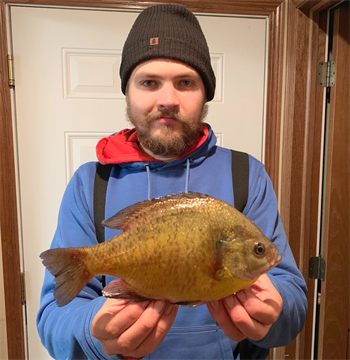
334, 327
68, 96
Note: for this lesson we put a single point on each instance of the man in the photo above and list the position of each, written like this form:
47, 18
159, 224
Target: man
167, 79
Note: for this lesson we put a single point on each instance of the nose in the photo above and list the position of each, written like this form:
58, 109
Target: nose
168, 98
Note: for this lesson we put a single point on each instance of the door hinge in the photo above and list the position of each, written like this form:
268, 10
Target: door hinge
326, 73
317, 268
11, 72
23, 288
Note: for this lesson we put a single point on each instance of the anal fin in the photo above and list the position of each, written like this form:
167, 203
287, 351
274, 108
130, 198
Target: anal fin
120, 289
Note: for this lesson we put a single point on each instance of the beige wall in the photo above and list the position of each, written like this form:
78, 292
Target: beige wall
3, 338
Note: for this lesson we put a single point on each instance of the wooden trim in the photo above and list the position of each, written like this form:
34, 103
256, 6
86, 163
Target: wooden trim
313, 163
240, 7
301, 158
287, 145
274, 93
335, 295
8, 210
315, 5
295, 123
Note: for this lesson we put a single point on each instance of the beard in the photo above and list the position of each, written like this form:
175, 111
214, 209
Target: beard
169, 141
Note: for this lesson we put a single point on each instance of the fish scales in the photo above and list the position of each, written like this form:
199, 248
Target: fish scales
183, 248
161, 251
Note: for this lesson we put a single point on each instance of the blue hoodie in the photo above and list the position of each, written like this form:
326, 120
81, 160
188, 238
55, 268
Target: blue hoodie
205, 168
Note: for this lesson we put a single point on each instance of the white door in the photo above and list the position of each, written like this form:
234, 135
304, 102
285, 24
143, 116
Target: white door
67, 96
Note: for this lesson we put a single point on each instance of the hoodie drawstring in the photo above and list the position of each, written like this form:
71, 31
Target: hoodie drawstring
149, 178
148, 181
187, 175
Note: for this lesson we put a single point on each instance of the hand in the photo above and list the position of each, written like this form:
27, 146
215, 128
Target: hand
132, 329
250, 312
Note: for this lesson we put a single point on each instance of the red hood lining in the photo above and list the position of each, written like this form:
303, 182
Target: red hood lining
123, 147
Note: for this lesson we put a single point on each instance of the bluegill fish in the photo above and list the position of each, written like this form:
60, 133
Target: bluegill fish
186, 248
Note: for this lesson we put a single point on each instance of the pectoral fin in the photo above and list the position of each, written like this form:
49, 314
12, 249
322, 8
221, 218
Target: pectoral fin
223, 245
223, 273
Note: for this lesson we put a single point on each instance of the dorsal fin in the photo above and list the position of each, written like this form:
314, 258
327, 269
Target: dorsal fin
125, 217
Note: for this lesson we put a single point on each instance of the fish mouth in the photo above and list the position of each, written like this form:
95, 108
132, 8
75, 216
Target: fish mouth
274, 259
271, 263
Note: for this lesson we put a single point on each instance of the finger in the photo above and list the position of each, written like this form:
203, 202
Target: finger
113, 306
131, 339
110, 325
164, 324
105, 314
219, 312
157, 335
248, 326
266, 311
150, 342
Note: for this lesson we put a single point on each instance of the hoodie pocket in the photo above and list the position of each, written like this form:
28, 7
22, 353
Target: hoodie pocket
195, 343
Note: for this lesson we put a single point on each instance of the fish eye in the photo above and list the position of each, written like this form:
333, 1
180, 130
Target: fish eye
259, 249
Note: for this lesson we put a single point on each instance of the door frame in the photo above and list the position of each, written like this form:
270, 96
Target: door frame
334, 317
297, 42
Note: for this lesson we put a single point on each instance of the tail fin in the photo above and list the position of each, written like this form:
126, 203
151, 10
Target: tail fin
70, 271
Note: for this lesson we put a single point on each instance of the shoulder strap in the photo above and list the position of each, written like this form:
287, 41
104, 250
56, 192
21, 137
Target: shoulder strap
100, 189
243, 347
240, 183
240, 178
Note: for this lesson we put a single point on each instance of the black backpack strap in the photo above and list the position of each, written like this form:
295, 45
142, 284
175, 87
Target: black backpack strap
240, 183
240, 178
243, 350
243, 347
100, 189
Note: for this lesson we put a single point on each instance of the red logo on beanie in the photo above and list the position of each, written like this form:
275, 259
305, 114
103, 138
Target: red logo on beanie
154, 41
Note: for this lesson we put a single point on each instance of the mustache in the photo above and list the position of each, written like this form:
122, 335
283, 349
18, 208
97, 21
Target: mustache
155, 115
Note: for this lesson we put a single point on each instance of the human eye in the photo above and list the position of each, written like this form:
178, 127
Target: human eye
148, 83
187, 83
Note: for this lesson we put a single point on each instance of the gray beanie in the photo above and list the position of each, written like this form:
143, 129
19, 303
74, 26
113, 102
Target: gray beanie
172, 32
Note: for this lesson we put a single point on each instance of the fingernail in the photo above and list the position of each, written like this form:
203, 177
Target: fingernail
215, 305
242, 296
168, 309
229, 301
158, 306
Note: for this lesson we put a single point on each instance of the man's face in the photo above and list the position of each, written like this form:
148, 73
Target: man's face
166, 104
